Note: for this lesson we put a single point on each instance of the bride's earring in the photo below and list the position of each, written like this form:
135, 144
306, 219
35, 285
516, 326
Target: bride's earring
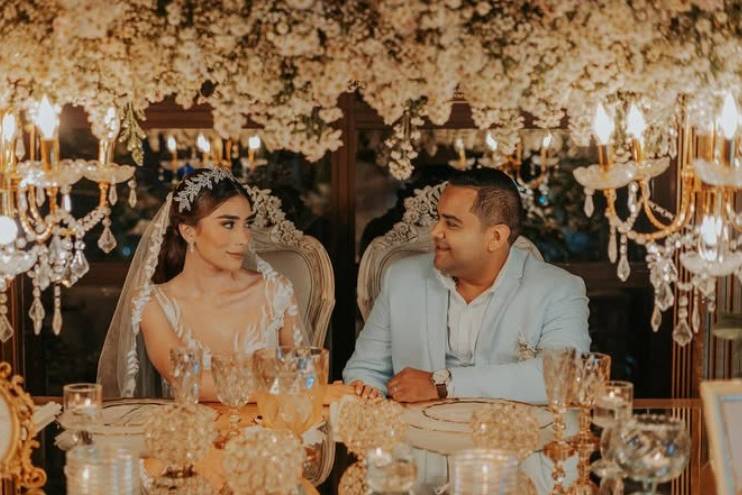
192, 246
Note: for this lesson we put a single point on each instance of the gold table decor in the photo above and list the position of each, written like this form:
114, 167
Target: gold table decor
17, 434
508, 426
263, 462
364, 424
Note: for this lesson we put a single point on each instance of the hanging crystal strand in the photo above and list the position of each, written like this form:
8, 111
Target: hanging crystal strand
132, 193
40, 196
631, 200
624, 270
589, 207
696, 314
79, 265
57, 318
656, 319
37, 313
6, 329
113, 195
682, 334
612, 246
107, 242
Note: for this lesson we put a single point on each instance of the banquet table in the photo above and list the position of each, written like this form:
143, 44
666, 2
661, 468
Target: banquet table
432, 465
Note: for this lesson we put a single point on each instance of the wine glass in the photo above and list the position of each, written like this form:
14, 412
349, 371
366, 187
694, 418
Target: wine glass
187, 365
83, 404
613, 406
290, 386
559, 373
234, 381
652, 449
591, 372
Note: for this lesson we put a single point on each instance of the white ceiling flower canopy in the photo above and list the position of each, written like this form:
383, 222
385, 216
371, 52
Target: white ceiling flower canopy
659, 69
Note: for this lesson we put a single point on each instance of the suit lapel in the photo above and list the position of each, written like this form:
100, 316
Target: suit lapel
506, 288
437, 321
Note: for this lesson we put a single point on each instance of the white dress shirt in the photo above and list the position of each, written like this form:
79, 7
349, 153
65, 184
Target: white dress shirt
464, 321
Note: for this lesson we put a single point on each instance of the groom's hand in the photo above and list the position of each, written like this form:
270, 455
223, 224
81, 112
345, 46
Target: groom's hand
411, 385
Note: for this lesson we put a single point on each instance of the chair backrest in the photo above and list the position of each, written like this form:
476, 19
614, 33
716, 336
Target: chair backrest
301, 258
409, 237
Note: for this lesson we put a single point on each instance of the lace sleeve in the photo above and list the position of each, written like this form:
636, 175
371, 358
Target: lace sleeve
286, 320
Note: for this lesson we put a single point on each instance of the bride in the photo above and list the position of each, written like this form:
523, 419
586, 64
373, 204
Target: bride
195, 281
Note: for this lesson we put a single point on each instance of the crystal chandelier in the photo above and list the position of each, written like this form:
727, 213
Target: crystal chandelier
699, 243
541, 162
38, 234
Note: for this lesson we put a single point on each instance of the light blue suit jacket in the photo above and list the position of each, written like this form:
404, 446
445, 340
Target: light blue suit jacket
534, 305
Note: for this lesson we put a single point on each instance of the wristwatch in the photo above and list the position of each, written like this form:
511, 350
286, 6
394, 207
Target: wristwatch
441, 379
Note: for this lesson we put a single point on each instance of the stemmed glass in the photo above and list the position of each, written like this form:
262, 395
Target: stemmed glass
613, 406
187, 366
559, 373
483, 471
234, 381
391, 470
652, 449
83, 404
591, 371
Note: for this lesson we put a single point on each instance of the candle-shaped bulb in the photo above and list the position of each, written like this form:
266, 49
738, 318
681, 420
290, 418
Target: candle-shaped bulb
729, 118
46, 119
491, 141
546, 142
172, 145
254, 142
635, 123
8, 230
602, 125
203, 144
9, 127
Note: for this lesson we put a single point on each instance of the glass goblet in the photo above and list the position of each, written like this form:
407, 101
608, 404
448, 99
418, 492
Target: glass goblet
559, 372
83, 403
187, 366
613, 406
290, 386
234, 381
652, 449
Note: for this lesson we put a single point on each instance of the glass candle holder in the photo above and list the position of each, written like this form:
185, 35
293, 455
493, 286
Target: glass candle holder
83, 404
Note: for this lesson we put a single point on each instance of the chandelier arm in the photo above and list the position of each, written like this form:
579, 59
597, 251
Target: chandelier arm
623, 226
686, 209
647, 205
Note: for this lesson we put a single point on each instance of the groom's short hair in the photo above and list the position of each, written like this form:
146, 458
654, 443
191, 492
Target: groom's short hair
498, 199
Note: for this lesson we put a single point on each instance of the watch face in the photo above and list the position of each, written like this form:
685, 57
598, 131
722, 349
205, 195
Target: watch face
6, 428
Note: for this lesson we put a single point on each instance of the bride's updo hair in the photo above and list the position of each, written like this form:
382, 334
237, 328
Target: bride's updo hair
173, 250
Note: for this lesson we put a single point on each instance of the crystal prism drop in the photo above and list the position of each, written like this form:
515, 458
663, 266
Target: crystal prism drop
133, 197
79, 265
107, 242
589, 207
57, 320
695, 316
6, 329
40, 196
43, 276
682, 333
67, 203
113, 195
624, 270
612, 247
37, 313
656, 320
665, 297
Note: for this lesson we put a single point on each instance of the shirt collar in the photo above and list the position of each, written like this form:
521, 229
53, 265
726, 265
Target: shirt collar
450, 284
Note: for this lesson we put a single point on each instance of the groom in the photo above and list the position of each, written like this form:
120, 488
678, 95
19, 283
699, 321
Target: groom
468, 319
